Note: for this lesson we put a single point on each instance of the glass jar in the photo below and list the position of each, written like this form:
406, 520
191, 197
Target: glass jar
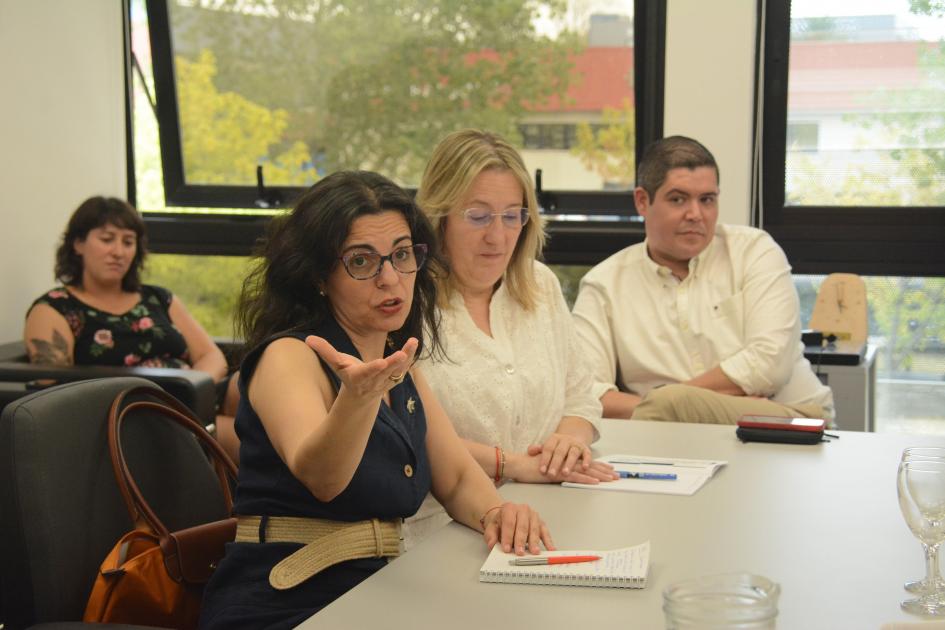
728, 601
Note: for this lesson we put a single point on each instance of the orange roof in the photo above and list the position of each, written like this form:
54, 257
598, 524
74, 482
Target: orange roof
601, 77
846, 76
824, 75
854, 55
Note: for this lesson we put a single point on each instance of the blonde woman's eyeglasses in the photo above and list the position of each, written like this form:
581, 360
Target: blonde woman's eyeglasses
483, 217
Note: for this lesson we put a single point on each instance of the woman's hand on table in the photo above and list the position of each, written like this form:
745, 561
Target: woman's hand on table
517, 528
526, 468
563, 453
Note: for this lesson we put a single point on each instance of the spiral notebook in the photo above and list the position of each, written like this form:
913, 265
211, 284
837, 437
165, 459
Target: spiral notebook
618, 568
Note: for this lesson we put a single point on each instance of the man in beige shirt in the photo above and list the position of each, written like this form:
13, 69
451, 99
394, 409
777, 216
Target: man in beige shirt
700, 322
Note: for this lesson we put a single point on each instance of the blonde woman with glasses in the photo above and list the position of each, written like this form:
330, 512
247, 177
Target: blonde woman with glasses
511, 379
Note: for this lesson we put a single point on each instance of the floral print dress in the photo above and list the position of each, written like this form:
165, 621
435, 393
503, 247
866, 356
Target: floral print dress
143, 336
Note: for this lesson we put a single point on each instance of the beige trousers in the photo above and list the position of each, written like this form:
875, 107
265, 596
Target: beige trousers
685, 403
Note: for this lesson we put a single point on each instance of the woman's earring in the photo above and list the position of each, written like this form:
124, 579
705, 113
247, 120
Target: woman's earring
321, 292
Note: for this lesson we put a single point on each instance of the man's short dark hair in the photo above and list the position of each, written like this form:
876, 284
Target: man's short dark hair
669, 153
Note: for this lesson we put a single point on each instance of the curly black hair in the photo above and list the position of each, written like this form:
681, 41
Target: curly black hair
302, 247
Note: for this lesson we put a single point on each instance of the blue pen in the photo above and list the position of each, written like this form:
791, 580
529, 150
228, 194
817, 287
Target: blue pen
643, 475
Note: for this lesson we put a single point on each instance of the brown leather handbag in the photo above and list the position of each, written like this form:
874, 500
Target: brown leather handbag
153, 576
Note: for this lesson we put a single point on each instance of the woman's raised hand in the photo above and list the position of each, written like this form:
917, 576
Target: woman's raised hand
366, 378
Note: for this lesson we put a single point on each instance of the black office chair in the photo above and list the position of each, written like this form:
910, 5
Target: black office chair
60, 509
19, 377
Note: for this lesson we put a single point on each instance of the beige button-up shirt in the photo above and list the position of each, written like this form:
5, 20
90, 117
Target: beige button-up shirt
641, 327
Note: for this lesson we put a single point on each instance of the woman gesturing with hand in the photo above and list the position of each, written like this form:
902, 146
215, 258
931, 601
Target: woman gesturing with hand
341, 436
377, 376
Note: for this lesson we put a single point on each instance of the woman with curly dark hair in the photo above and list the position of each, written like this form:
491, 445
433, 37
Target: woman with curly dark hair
102, 314
340, 444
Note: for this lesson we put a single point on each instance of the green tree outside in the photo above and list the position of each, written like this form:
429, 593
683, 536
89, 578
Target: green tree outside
375, 84
209, 286
225, 133
261, 82
609, 149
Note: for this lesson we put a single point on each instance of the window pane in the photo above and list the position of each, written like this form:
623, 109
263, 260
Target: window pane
209, 286
866, 103
570, 278
149, 182
305, 88
907, 323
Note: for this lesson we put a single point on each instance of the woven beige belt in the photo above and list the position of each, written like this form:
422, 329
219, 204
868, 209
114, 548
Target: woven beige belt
326, 543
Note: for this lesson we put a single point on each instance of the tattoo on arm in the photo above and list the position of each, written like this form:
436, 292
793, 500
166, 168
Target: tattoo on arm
55, 352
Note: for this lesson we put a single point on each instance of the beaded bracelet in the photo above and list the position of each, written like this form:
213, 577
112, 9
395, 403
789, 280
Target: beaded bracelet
497, 451
482, 519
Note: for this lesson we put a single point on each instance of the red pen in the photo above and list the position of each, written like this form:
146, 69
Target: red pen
528, 561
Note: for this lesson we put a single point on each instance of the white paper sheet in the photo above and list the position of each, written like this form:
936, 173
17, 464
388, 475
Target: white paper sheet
691, 474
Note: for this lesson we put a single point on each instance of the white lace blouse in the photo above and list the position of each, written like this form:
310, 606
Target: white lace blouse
511, 389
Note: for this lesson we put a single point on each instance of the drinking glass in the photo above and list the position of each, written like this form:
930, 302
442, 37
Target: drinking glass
925, 453
920, 485
730, 601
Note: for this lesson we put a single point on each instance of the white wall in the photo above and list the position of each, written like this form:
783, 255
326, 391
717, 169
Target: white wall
62, 136
710, 48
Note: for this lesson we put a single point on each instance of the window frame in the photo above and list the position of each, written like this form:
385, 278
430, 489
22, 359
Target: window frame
869, 240
570, 242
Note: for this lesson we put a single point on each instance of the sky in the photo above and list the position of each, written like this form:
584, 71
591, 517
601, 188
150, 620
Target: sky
811, 8
926, 27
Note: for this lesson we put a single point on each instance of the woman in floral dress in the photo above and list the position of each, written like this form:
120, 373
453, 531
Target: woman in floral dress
103, 315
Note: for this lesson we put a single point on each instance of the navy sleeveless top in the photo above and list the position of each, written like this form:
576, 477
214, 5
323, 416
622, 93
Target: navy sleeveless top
391, 480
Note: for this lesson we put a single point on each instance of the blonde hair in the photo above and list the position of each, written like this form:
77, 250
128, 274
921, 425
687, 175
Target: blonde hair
456, 162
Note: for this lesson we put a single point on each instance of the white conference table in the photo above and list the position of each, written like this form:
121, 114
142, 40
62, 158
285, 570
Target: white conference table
822, 520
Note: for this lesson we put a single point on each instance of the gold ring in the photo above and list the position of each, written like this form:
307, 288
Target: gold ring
396, 377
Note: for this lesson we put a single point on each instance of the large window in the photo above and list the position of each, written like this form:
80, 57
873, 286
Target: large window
853, 176
254, 100
854, 134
